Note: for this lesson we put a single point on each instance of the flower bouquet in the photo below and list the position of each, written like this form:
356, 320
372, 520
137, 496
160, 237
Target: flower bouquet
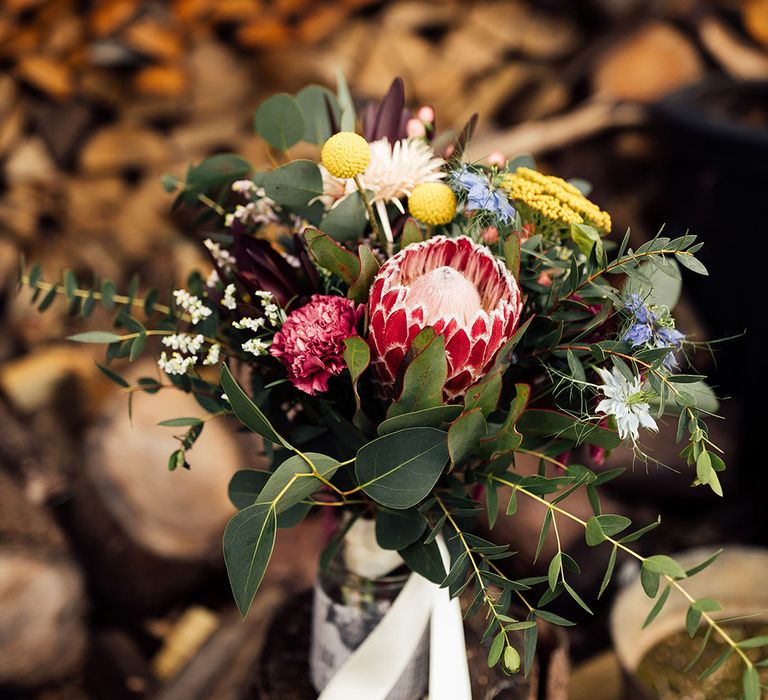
399, 325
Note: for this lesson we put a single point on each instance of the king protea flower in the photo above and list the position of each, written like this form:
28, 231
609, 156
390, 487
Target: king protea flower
458, 288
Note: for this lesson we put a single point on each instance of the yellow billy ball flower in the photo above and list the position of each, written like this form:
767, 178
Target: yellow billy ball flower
433, 203
346, 154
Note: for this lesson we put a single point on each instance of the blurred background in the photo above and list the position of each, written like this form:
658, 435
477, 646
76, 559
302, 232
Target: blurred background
111, 578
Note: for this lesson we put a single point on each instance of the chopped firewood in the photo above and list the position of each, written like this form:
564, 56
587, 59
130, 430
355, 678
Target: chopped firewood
161, 80
184, 640
30, 164
756, 19
110, 16
539, 137
263, 33
52, 77
123, 146
42, 604
153, 39
738, 58
320, 23
651, 63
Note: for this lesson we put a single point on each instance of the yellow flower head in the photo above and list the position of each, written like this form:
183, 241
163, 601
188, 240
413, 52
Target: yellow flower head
554, 199
346, 154
433, 203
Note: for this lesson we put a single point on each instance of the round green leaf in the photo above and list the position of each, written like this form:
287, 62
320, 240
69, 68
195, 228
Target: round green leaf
314, 101
279, 122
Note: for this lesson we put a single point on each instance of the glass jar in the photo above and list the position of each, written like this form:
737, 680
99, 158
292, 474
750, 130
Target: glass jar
347, 607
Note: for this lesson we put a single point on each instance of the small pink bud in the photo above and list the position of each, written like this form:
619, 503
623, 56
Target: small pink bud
415, 129
497, 159
426, 114
490, 235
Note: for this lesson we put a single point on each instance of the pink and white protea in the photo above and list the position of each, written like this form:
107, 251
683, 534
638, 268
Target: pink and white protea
458, 288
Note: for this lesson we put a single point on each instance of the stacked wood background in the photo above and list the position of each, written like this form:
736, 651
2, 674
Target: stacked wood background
97, 101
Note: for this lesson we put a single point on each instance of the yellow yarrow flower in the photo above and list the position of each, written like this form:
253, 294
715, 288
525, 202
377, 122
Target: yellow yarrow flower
554, 198
433, 203
346, 154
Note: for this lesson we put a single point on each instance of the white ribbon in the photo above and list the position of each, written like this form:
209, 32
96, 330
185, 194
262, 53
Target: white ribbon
376, 665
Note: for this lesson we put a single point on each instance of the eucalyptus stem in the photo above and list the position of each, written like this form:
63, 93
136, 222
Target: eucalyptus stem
670, 580
86, 293
490, 602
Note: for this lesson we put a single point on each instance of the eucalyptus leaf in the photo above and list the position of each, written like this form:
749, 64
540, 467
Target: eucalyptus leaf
426, 417
294, 185
399, 470
293, 480
314, 102
398, 529
247, 411
425, 559
279, 121
249, 539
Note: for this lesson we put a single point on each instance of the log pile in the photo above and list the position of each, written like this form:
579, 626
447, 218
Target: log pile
97, 101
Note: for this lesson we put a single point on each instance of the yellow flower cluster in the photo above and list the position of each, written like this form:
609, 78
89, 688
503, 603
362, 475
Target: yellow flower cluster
554, 198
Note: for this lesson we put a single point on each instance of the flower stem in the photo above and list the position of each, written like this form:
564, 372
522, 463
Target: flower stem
85, 293
371, 214
671, 580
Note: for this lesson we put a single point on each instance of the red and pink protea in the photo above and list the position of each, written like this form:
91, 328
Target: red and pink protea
311, 342
458, 288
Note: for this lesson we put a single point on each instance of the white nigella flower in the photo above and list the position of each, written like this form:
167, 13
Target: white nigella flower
214, 352
176, 363
192, 305
229, 297
255, 346
626, 402
183, 342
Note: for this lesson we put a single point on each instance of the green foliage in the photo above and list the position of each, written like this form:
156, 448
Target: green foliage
347, 220
247, 411
369, 266
279, 121
294, 185
295, 480
317, 104
424, 377
398, 529
411, 233
249, 539
333, 257
423, 418
399, 470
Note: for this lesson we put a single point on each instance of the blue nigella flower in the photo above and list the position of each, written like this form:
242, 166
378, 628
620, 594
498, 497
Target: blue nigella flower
653, 327
481, 194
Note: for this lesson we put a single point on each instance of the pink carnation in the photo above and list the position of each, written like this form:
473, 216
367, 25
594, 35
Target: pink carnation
311, 341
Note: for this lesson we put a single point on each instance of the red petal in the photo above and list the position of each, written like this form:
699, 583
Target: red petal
396, 332
457, 349
390, 299
394, 359
479, 328
477, 355
377, 330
